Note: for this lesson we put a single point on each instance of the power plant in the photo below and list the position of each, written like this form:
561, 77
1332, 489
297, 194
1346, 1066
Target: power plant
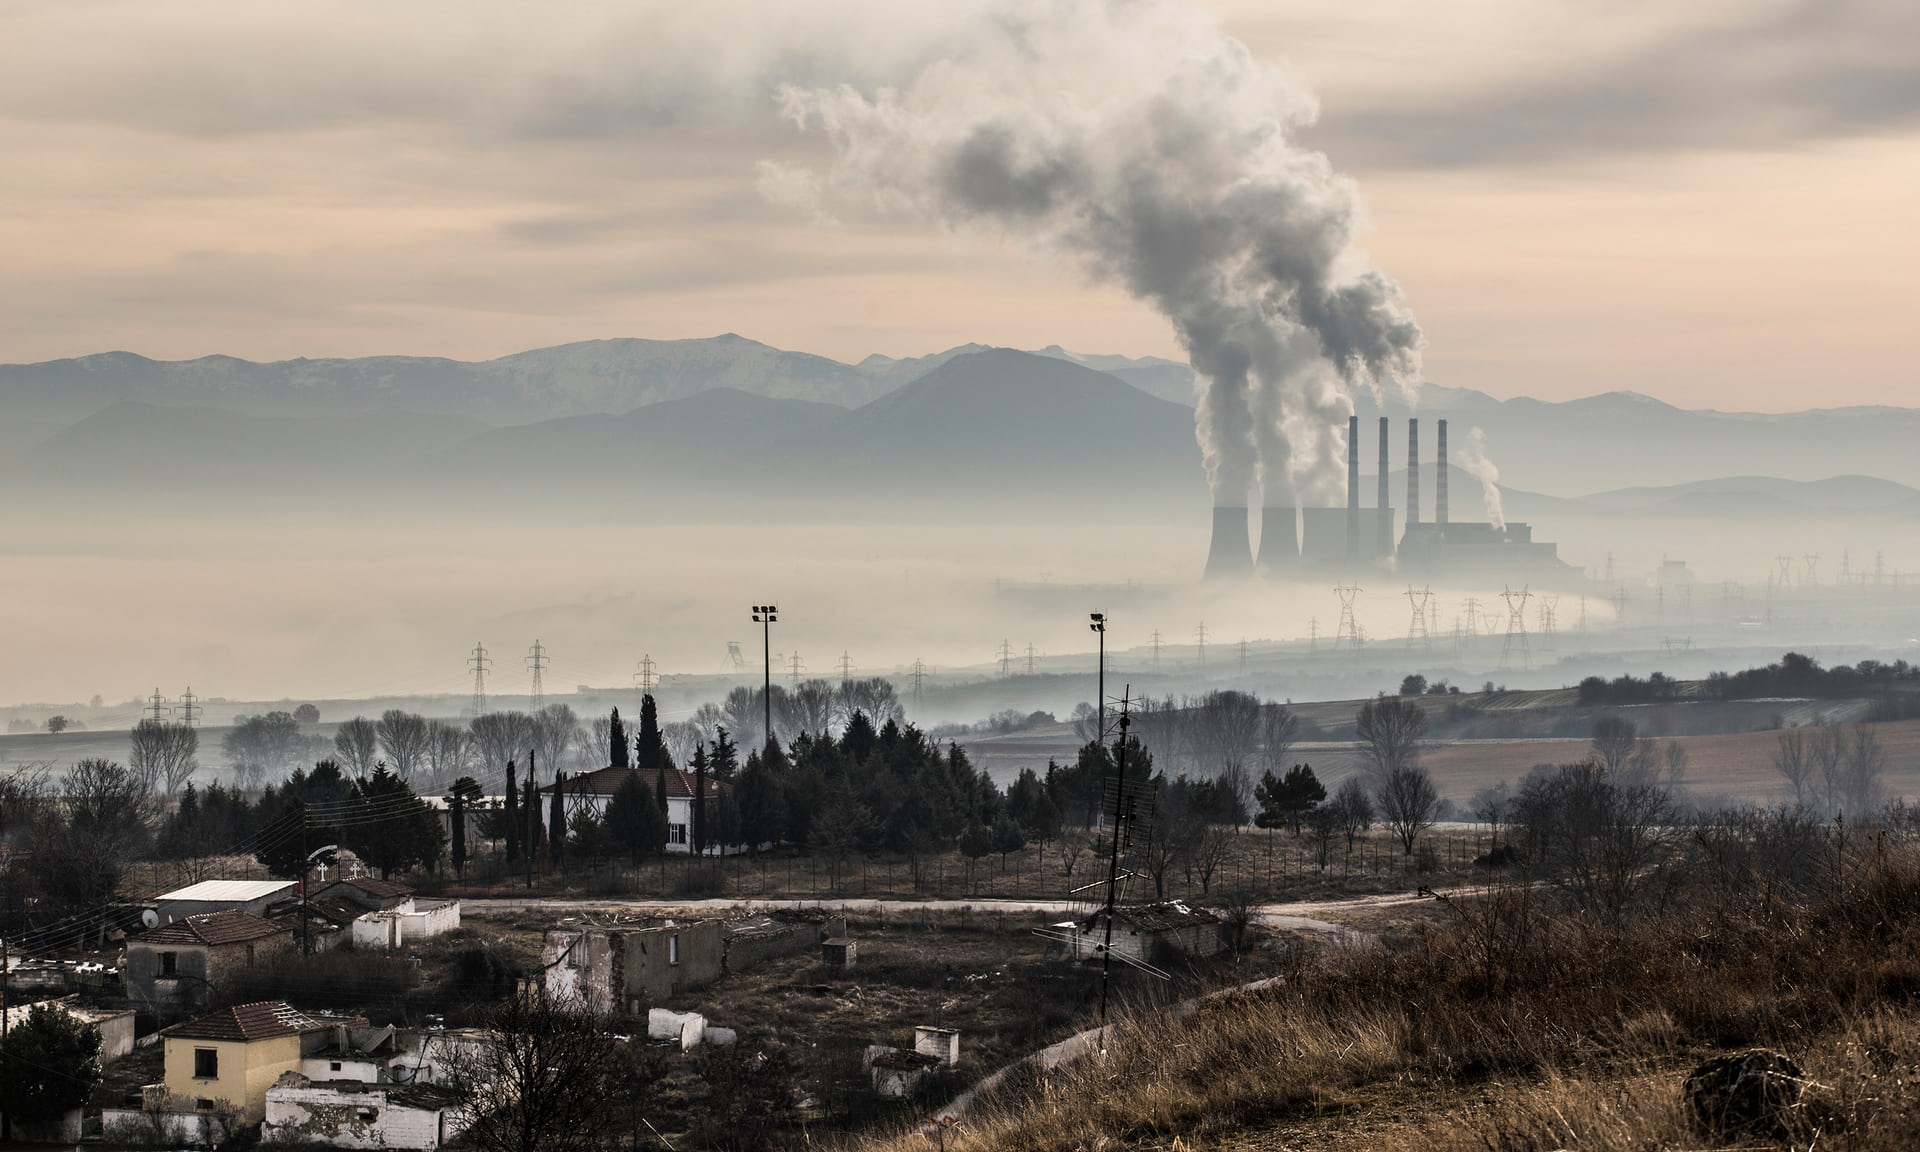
1356, 539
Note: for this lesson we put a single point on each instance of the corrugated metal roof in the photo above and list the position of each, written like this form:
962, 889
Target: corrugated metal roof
241, 890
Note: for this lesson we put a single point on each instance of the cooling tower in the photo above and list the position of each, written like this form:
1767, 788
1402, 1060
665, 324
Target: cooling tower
1353, 487
1232, 551
1413, 472
1440, 482
1279, 540
1384, 546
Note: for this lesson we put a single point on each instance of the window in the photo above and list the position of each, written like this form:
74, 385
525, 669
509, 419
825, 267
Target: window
676, 833
673, 948
204, 1104
333, 1066
169, 963
206, 1064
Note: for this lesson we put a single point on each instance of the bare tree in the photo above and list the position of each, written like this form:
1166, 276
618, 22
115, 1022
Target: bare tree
1491, 806
681, 737
259, 747
546, 1078
874, 696
555, 729
743, 714
357, 743
1389, 730
164, 753
1279, 731
499, 737
1352, 806
1674, 763
1866, 762
403, 735
810, 708
1828, 751
596, 742
1613, 742
1795, 765
448, 754
1598, 838
1228, 727
1408, 799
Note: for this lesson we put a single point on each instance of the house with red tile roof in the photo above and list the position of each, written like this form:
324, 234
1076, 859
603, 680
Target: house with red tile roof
593, 791
177, 967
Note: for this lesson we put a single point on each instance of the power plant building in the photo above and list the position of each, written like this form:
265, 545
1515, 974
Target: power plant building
1354, 538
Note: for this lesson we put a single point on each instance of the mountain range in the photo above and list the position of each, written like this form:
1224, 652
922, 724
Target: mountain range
728, 414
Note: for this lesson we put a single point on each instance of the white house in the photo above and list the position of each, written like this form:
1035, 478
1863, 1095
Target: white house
352, 1114
391, 929
593, 791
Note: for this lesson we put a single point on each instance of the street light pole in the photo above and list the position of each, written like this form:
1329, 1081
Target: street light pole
764, 615
1100, 708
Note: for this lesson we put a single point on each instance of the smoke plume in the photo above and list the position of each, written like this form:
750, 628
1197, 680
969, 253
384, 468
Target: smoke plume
1476, 462
1138, 139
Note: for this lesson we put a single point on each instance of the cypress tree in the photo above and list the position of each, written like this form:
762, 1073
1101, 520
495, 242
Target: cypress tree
513, 816
699, 829
648, 749
557, 819
617, 741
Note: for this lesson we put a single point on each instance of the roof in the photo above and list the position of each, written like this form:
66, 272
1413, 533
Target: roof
261, 1020
240, 891
212, 928
1166, 917
607, 781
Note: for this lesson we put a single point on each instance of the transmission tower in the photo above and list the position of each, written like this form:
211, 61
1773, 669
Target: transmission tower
794, 668
1418, 635
645, 677
1786, 569
919, 677
1812, 570
1473, 617
1348, 630
1243, 657
1846, 566
1200, 636
1313, 635
1029, 657
1156, 647
537, 664
1549, 605
846, 667
1006, 658
158, 704
1516, 626
189, 711
479, 663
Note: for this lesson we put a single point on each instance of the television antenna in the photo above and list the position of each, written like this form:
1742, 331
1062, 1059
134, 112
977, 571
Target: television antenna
1126, 806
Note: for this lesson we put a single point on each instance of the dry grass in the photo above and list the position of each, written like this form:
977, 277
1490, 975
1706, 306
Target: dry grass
1515, 1029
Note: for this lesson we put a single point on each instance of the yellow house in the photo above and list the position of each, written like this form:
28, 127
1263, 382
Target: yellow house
225, 1061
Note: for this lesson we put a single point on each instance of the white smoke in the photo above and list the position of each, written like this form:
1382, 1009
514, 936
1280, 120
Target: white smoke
1139, 139
1476, 462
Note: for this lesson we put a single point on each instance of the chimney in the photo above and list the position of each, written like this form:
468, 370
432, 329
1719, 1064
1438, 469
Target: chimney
1385, 528
1353, 487
1231, 554
1440, 482
1413, 471
1279, 540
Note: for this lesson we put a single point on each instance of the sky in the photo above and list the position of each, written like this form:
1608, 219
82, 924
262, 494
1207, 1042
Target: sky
1711, 203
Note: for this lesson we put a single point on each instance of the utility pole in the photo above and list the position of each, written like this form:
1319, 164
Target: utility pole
189, 711
1099, 625
537, 660
479, 662
765, 615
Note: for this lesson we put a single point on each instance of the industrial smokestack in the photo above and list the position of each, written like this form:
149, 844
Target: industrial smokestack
1385, 527
1353, 487
1440, 482
1231, 553
1279, 540
1413, 472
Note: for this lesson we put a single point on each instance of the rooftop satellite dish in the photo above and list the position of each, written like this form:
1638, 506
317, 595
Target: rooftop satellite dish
149, 918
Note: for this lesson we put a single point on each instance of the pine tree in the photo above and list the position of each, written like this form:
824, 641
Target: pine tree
617, 742
636, 823
724, 760
699, 829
